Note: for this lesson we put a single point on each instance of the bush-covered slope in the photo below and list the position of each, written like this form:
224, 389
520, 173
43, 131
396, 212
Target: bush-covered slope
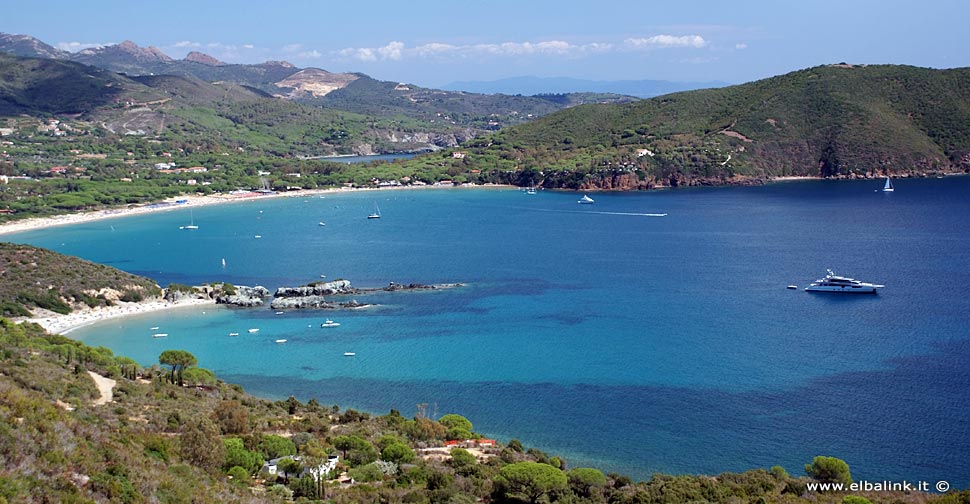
836, 120
45, 86
32, 277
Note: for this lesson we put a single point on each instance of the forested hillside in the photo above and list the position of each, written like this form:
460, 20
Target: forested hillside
828, 121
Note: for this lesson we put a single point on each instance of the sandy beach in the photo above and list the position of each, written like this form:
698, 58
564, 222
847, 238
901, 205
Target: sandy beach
63, 324
161, 206
192, 201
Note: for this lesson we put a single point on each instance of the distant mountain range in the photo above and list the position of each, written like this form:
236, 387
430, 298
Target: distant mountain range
429, 112
529, 86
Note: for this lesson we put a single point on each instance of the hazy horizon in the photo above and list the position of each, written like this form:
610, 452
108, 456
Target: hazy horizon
432, 43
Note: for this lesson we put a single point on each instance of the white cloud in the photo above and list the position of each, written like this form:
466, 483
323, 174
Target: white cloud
660, 41
291, 48
740, 46
391, 51
186, 43
396, 50
79, 46
314, 54
363, 53
248, 46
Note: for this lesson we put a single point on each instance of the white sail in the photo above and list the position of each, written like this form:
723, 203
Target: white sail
889, 185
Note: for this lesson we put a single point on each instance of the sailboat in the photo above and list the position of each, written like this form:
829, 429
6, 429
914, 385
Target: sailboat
376, 214
531, 190
223, 262
889, 185
585, 200
191, 222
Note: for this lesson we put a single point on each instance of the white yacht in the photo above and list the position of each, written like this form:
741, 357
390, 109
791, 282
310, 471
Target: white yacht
253, 331
350, 354
233, 334
585, 200
836, 283
281, 341
330, 323
160, 335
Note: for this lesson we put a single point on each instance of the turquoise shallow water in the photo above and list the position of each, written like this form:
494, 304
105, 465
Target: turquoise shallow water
636, 343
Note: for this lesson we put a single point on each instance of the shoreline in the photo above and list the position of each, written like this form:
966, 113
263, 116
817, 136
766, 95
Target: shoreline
56, 323
193, 201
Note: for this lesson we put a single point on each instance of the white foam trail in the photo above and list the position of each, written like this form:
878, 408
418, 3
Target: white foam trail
626, 213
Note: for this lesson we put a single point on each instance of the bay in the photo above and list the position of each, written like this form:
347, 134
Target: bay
630, 342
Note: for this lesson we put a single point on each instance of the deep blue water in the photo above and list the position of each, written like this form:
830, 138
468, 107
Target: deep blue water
638, 344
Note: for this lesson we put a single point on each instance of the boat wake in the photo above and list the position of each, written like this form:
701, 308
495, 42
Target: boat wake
593, 212
634, 214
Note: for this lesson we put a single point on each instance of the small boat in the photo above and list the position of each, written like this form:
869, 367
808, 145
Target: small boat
191, 222
233, 334
531, 190
792, 287
160, 335
330, 323
585, 200
253, 331
281, 341
153, 328
349, 354
258, 236
376, 214
223, 262
321, 223
889, 185
279, 313
836, 283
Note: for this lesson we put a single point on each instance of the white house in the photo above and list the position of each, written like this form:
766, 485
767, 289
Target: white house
323, 469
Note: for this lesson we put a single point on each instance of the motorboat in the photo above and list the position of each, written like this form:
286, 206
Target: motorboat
281, 341
253, 331
836, 283
233, 334
160, 335
350, 354
585, 200
330, 323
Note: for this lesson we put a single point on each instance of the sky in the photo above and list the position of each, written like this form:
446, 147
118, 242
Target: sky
432, 43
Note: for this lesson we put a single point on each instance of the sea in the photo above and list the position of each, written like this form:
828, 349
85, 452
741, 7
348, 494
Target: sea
647, 332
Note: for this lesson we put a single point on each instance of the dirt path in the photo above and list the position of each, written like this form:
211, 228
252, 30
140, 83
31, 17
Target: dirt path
105, 386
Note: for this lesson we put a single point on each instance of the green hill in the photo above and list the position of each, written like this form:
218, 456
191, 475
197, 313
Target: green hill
44, 87
32, 277
828, 121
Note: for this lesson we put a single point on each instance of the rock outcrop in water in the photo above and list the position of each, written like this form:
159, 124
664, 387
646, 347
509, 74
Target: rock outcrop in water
243, 296
312, 296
